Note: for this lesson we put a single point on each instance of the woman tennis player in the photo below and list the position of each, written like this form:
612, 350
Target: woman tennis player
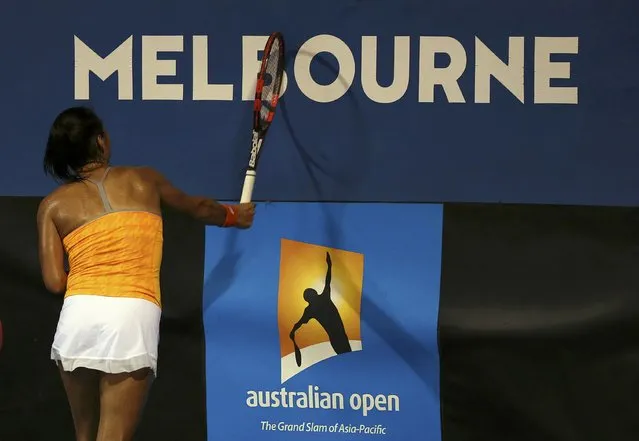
107, 220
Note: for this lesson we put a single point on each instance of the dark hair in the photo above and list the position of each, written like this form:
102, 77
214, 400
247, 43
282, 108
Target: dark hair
73, 143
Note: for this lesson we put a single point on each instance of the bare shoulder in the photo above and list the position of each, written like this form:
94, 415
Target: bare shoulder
50, 203
135, 175
145, 173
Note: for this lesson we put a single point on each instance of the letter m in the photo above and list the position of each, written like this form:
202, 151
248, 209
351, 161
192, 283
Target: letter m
87, 61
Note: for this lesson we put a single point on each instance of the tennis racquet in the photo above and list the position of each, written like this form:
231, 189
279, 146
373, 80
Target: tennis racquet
267, 93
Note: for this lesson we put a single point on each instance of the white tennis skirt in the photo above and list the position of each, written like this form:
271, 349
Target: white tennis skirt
108, 334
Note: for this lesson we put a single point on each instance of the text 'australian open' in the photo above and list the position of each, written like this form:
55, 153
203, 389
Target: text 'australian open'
159, 57
314, 398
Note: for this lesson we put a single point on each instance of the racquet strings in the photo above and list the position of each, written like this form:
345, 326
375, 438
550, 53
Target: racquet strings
272, 80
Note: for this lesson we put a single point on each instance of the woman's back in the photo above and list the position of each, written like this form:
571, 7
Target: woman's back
125, 189
111, 229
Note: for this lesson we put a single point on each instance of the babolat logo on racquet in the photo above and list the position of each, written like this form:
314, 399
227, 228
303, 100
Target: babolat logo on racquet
255, 149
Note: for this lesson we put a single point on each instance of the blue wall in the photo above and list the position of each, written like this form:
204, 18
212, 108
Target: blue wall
358, 149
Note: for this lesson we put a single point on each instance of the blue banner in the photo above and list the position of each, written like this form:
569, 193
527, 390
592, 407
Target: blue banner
317, 323
384, 101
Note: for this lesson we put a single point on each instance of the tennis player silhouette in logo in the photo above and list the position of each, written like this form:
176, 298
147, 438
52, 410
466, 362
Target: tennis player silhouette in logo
321, 308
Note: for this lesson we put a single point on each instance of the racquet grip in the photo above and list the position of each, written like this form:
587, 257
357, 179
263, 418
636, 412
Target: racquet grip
247, 189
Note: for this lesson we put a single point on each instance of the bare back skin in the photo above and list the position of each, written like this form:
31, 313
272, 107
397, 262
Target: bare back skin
127, 188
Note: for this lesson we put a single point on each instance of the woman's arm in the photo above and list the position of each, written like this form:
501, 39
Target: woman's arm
206, 210
50, 250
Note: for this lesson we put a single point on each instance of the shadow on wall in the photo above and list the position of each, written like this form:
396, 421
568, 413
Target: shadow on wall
349, 170
346, 170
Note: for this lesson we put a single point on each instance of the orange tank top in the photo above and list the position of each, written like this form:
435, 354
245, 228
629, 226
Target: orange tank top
118, 254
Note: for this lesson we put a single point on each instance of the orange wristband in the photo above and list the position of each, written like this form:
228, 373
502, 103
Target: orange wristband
231, 216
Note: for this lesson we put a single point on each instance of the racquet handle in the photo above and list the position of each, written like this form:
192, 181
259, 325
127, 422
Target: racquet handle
247, 189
